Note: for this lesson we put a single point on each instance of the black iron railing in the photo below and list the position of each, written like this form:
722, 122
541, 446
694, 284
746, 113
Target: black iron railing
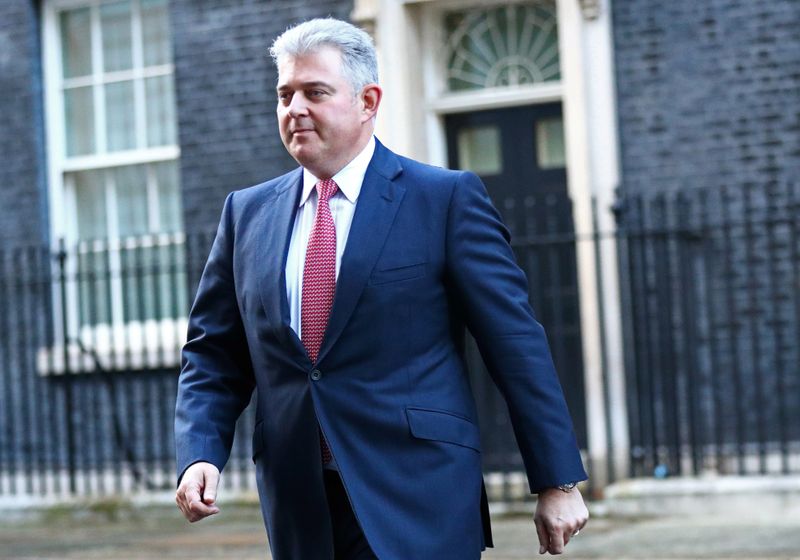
712, 311
89, 356
90, 336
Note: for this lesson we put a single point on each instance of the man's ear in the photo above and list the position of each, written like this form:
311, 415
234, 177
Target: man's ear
370, 96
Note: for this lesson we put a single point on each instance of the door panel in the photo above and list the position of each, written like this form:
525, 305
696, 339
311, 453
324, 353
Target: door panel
519, 155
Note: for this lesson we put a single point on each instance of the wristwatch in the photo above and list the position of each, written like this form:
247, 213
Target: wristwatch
567, 487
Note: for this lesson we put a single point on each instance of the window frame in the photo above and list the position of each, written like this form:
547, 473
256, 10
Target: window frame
110, 340
440, 99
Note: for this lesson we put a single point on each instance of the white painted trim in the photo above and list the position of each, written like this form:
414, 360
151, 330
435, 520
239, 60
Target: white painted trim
54, 123
495, 98
71, 4
598, 55
399, 124
570, 31
139, 91
607, 175
153, 200
590, 124
456, 4
119, 76
128, 157
98, 91
433, 81
433, 65
54, 134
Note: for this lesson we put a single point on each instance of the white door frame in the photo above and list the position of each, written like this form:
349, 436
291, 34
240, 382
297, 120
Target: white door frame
411, 121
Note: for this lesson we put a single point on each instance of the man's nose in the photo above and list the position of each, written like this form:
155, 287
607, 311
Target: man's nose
298, 106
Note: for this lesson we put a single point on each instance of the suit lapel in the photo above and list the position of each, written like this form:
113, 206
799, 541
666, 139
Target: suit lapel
375, 212
276, 223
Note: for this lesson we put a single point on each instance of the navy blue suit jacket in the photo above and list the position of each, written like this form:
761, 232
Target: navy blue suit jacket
427, 256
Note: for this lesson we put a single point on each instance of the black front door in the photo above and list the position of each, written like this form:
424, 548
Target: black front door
519, 154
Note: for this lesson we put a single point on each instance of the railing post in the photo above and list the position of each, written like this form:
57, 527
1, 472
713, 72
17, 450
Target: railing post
68, 411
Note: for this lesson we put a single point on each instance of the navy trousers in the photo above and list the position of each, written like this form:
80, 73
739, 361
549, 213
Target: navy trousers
349, 542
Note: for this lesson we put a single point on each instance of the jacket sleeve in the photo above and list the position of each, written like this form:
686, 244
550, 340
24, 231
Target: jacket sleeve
216, 380
492, 293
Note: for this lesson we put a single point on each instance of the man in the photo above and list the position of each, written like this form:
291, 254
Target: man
341, 291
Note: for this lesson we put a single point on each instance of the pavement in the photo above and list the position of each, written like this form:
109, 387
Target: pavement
125, 531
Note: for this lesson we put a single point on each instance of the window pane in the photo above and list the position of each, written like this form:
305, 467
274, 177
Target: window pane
120, 116
162, 288
116, 31
93, 275
155, 31
139, 281
170, 217
550, 153
90, 199
131, 188
154, 280
76, 42
133, 306
503, 46
93, 266
79, 109
160, 111
176, 281
479, 150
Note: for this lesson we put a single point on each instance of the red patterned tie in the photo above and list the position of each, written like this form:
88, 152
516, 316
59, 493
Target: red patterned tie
319, 281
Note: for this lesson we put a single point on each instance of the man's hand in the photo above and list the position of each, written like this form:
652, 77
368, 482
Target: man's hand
559, 516
197, 492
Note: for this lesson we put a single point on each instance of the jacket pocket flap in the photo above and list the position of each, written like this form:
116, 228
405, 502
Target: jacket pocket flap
439, 425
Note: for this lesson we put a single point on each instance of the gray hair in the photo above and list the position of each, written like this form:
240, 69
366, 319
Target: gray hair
359, 62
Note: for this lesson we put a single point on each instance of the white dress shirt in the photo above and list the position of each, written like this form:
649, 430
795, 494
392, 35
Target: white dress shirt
342, 205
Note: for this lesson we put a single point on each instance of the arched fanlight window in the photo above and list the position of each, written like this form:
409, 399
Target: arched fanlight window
508, 45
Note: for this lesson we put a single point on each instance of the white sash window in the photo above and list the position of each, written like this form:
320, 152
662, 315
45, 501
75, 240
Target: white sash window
114, 186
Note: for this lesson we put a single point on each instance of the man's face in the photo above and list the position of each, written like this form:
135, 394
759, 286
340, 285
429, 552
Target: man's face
321, 120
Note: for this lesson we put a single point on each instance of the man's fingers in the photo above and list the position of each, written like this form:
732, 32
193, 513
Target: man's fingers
202, 510
568, 533
560, 515
541, 531
210, 490
197, 492
569, 530
556, 534
192, 492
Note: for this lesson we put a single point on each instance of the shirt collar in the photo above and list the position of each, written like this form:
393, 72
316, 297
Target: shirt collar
349, 179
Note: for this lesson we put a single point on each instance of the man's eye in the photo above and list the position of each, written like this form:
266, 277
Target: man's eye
316, 93
284, 96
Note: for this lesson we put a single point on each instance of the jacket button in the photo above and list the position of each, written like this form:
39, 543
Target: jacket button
316, 374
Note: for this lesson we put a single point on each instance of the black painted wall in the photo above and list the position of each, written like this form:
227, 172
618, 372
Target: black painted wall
708, 92
22, 158
225, 83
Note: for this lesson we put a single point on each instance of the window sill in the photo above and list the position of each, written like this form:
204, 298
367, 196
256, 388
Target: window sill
131, 346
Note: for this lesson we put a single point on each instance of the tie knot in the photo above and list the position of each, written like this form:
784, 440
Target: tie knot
326, 189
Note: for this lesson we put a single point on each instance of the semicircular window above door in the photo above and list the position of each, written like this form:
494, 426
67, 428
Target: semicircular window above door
503, 46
